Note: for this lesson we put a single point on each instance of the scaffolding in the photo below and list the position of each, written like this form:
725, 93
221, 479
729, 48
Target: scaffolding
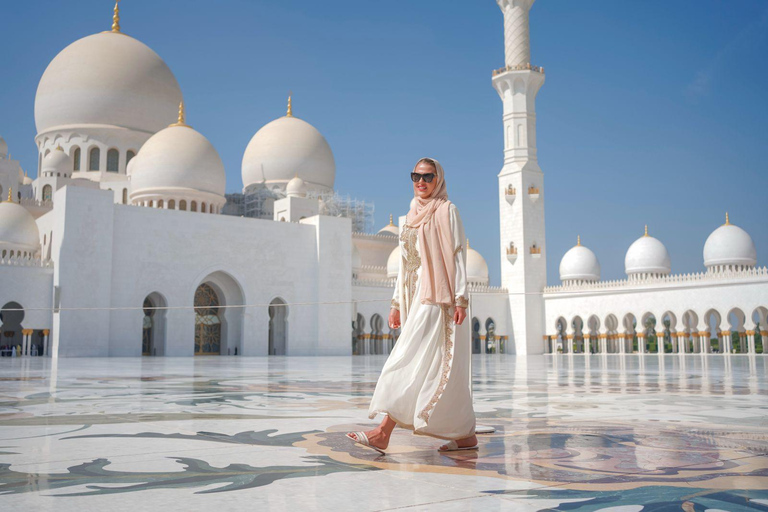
259, 203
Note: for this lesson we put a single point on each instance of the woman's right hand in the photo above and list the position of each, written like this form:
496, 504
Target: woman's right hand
394, 318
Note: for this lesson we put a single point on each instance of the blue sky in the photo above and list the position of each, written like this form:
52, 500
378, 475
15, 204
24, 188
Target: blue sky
653, 112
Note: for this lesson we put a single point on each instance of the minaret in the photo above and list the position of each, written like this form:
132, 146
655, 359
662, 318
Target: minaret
521, 183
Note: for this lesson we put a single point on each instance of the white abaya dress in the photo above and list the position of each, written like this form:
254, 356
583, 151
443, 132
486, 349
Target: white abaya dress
425, 385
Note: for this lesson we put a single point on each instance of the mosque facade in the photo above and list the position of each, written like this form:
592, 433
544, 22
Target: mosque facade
125, 244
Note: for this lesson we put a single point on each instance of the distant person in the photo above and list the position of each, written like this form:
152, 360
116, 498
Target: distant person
425, 385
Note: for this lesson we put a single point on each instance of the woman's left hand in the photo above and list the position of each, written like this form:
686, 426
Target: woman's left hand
459, 315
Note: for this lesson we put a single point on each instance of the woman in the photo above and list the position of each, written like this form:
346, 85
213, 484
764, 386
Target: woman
425, 384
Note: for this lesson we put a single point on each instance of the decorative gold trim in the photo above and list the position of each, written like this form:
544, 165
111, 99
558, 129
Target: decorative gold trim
116, 18
533, 190
727, 221
289, 112
411, 258
462, 302
182, 120
446, 365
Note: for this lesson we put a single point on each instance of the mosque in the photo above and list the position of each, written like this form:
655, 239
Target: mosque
125, 244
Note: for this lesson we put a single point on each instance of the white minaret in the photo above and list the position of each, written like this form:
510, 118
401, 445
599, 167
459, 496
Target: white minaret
521, 183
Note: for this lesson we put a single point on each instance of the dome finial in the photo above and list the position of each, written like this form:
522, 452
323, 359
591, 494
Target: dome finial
10, 194
467, 243
116, 19
182, 121
578, 240
727, 221
646, 230
289, 113
391, 220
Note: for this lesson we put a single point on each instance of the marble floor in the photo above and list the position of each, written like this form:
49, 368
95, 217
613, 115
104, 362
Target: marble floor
574, 432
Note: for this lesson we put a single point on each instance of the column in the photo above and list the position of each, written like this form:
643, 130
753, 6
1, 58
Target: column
622, 343
587, 343
660, 341
46, 342
725, 342
640, 342
751, 342
568, 344
24, 343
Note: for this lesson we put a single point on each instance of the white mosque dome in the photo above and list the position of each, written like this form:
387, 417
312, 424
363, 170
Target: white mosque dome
729, 245
393, 263
296, 187
287, 147
579, 264
57, 161
647, 255
177, 161
107, 79
26, 180
18, 229
390, 229
477, 268
3, 148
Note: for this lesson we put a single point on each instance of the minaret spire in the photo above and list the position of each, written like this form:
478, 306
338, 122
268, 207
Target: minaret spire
646, 230
727, 221
391, 220
289, 113
10, 194
116, 18
578, 240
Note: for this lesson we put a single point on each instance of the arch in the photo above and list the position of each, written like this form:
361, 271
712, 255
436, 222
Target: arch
690, 327
47, 193
736, 321
202, 208
76, 158
193, 206
160, 203
129, 156
171, 204
377, 332
477, 344
760, 319
648, 328
490, 336
712, 323
278, 315
593, 326
669, 323
94, 155
358, 335
113, 160
153, 325
218, 330
183, 205
11, 318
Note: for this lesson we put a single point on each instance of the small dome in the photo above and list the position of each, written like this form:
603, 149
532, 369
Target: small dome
27, 180
18, 229
284, 148
477, 268
3, 148
175, 161
647, 255
56, 161
729, 245
579, 264
390, 229
107, 79
357, 260
393, 263
296, 187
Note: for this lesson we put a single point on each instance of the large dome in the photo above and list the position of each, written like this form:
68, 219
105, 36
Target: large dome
18, 229
477, 268
285, 148
107, 79
647, 255
579, 264
390, 229
393, 263
729, 245
177, 159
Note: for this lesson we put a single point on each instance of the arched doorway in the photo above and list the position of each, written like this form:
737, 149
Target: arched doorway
278, 313
11, 316
358, 336
207, 321
490, 336
153, 325
477, 342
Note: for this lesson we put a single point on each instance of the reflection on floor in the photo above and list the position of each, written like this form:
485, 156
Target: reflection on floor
615, 432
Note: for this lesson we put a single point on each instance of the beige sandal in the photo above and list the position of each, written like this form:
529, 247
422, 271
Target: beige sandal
363, 440
453, 446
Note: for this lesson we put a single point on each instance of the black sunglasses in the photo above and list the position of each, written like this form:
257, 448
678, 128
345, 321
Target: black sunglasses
428, 177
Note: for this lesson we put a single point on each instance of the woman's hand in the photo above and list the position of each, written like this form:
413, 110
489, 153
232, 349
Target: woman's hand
394, 318
458, 316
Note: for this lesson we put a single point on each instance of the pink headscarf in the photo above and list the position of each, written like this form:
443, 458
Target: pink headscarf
432, 218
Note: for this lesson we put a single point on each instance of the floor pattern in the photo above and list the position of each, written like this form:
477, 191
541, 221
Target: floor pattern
619, 433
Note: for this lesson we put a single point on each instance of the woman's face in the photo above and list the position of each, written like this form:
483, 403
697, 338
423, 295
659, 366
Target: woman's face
421, 188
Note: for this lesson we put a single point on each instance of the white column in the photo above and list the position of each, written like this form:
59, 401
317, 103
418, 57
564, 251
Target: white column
640, 342
751, 342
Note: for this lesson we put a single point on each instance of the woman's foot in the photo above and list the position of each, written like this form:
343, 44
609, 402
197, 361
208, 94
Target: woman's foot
376, 437
467, 442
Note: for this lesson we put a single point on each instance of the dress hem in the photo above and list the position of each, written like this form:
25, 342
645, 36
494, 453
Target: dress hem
416, 431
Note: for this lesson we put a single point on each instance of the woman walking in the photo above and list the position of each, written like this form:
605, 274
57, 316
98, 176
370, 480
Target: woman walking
425, 385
